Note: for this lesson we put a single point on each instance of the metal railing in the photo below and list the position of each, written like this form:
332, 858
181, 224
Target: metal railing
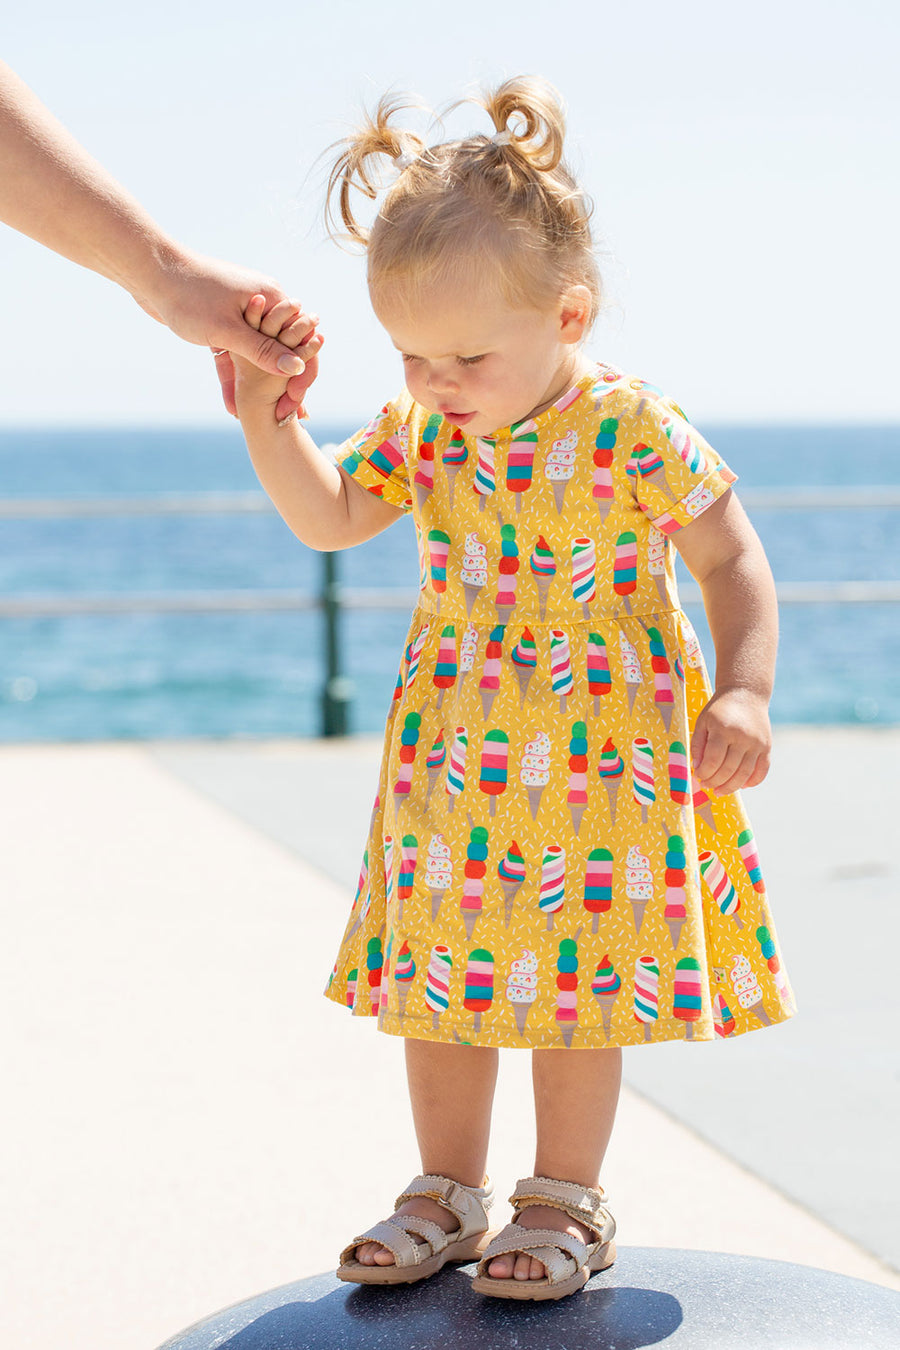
331, 597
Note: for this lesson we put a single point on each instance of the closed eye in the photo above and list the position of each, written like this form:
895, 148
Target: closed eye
469, 360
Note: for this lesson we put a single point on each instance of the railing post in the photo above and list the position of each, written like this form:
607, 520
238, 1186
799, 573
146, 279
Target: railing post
337, 690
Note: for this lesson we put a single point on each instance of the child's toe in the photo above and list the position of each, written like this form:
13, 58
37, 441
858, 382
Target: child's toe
501, 1268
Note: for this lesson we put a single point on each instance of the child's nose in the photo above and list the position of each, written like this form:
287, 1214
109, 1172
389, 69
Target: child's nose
442, 380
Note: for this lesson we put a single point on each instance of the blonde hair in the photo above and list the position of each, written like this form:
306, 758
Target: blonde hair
505, 208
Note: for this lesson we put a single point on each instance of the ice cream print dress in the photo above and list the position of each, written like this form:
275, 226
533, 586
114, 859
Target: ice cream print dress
540, 869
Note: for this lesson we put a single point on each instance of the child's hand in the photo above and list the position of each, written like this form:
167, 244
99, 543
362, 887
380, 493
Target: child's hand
294, 329
732, 741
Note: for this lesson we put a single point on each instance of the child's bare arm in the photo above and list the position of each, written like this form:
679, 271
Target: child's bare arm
732, 738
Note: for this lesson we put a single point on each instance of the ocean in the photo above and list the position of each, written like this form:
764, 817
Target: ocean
139, 676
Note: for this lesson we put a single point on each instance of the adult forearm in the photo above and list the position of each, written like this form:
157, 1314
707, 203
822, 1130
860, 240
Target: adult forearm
742, 610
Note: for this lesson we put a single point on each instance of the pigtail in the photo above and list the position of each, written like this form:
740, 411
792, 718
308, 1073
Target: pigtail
354, 170
530, 113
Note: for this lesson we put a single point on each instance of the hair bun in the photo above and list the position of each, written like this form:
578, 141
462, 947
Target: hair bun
529, 111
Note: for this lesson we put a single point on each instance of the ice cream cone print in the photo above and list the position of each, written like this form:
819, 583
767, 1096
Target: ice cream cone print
456, 773
479, 989
485, 483
494, 765
602, 489
352, 985
423, 482
598, 676
534, 772
408, 740
646, 464
638, 884
643, 786
646, 993
605, 986
679, 774
552, 895
560, 666
437, 982
521, 987
468, 650
445, 667
584, 573
435, 760
409, 852
676, 896
438, 872
404, 974
663, 696
631, 669
747, 989
576, 796
453, 458
567, 990
473, 885
770, 956
723, 1018
657, 547
720, 887
508, 573
703, 808
520, 459
611, 770
560, 466
474, 571
511, 871
543, 569
688, 994
362, 892
489, 684
598, 884
524, 658
625, 567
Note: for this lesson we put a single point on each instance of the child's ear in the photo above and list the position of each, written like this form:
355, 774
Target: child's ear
575, 310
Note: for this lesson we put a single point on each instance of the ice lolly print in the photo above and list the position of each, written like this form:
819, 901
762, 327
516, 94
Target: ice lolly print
404, 974
445, 666
453, 458
688, 994
374, 965
567, 990
415, 655
560, 666
388, 855
474, 572
352, 983
676, 863
602, 490
611, 769
409, 852
543, 569
534, 773
584, 573
643, 786
625, 567
723, 1018
746, 987
720, 887
360, 906
468, 650
438, 872
435, 760
479, 988
437, 982
521, 987
456, 774
770, 956
638, 884
489, 684
662, 679
576, 795
646, 993
408, 740
679, 774
473, 885
508, 570
424, 476
560, 466
524, 658
511, 871
598, 884
631, 669
598, 676
552, 895
494, 765
520, 459
485, 483
438, 548
605, 987
750, 858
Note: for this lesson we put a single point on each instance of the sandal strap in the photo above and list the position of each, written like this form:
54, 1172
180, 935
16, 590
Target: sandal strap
561, 1254
581, 1203
468, 1204
403, 1248
432, 1232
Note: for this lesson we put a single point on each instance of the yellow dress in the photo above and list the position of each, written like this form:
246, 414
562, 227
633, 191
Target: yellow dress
540, 870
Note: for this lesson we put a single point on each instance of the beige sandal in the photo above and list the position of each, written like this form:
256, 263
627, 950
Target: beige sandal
569, 1262
417, 1260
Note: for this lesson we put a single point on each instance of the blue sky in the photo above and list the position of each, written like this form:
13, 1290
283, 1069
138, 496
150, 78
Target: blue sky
742, 161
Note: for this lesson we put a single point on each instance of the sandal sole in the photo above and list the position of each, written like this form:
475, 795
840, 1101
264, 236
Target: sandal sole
458, 1253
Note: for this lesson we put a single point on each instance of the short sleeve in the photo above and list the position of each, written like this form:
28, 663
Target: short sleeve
675, 474
377, 457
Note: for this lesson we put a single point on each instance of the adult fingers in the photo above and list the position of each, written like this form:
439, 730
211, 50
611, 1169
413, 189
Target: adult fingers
225, 372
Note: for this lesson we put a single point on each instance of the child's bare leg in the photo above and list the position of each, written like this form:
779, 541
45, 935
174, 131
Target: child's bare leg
575, 1098
451, 1089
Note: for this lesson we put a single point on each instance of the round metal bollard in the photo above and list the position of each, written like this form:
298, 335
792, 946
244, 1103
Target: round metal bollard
682, 1300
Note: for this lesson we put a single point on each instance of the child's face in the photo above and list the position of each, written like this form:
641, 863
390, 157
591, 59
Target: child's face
482, 363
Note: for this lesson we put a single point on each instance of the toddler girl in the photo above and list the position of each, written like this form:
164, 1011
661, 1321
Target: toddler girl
557, 859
